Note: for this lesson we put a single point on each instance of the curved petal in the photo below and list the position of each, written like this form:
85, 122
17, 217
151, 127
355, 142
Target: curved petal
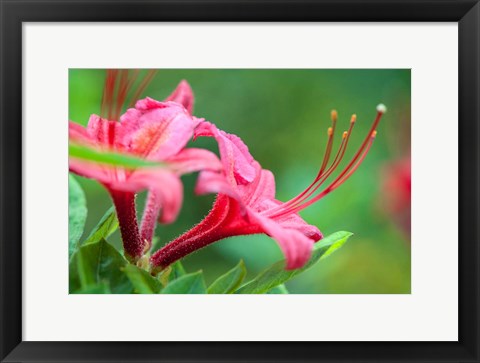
263, 188
183, 95
192, 159
157, 130
212, 182
90, 170
102, 130
290, 221
296, 247
78, 134
294, 221
236, 159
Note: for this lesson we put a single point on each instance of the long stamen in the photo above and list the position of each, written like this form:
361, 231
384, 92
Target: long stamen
145, 82
122, 92
340, 179
331, 169
299, 198
322, 177
108, 92
118, 85
299, 202
322, 174
331, 133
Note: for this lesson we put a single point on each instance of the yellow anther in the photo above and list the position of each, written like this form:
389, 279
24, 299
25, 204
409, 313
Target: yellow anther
330, 131
334, 115
345, 133
374, 133
353, 119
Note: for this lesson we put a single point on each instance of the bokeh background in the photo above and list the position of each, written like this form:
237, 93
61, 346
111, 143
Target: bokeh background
283, 116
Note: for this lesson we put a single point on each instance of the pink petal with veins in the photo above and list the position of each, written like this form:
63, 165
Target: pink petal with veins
102, 130
193, 159
157, 130
236, 159
78, 134
183, 95
212, 182
90, 170
296, 247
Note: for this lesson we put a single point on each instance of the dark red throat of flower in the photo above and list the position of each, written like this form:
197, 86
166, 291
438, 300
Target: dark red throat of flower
121, 84
311, 195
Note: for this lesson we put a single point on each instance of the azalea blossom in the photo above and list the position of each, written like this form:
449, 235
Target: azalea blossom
397, 192
246, 202
154, 131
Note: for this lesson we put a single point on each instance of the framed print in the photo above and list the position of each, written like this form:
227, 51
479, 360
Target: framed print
254, 181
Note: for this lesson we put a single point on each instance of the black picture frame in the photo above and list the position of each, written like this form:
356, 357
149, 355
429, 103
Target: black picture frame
15, 12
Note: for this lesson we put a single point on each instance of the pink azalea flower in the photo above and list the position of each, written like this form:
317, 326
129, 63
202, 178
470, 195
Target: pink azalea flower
153, 130
246, 201
397, 192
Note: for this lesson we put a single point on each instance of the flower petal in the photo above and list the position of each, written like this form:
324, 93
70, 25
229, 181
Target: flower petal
294, 221
157, 130
166, 185
290, 221
90, 170
193, 159
212, 182
183, 94
78, 134
236, 159
296, 247
263, 188
102, 130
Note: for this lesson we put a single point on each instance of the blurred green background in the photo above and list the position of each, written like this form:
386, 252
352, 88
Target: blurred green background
283, 116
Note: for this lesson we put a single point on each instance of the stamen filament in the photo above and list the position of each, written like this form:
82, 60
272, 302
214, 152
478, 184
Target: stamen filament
108, 92
339, 180
321, 176
145, 82
300, 202
118, 85
331, 133
122, 92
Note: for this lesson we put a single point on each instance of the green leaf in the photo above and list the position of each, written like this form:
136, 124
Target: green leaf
280, 289
77, 214
142, 281
107, 225
276, 274
229, 282
172, 272
98, 263
101, 288
87, 153
187, 284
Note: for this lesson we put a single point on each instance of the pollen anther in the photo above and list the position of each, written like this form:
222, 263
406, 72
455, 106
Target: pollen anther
381, 108
334, 115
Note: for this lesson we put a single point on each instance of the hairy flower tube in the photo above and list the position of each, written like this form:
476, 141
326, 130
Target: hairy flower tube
154, 131
246, 202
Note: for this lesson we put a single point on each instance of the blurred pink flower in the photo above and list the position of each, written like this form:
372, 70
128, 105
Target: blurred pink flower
153, 130
397, 191
246, 201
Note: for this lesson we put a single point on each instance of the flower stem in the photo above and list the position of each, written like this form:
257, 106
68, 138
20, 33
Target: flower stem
149, 219
220, 223
207, 231
133, 245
